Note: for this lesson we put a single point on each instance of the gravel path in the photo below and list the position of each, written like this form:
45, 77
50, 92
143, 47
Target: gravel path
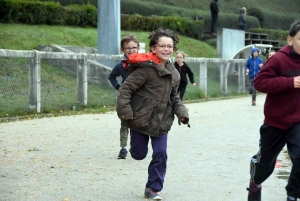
74, 158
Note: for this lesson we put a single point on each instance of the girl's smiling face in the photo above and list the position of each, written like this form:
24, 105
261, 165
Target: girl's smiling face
163, 49
179, 58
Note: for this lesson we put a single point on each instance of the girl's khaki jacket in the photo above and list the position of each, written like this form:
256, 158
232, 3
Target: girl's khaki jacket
148, 98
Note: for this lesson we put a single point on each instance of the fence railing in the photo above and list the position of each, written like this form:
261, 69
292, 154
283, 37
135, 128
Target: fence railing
31, 80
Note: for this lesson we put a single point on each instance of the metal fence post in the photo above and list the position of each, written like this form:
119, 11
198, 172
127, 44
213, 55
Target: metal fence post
223, 77
82, 84
35, 82
203, 76
241, 77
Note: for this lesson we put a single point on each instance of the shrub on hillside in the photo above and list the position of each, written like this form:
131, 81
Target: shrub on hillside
226, 20
80, 2
30, 12
273, 34
273, 20
81, 15
185, 27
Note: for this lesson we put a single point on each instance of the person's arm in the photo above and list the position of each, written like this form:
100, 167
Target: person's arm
177, 106
261, 63
190, 74
247, 66
113, 77
132, 83
270, 80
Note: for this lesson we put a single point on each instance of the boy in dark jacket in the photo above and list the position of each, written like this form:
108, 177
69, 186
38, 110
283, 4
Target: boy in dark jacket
280, 79
129, 45
254, 64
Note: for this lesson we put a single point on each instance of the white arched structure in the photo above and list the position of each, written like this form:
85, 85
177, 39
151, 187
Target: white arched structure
229, 69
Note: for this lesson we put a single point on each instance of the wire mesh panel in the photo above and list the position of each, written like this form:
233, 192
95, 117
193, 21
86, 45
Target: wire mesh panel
58, 84
100, 91
14, 85
33, 81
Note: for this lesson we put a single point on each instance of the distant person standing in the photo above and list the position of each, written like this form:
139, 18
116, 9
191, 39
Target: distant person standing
254, 64
183, 69
242, 19
214, 10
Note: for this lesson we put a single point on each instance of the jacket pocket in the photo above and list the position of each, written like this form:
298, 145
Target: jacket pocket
141, 119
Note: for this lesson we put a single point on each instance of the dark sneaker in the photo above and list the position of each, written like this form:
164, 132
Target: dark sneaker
289, 199
253, 103
254, 193
151, 194
122, 154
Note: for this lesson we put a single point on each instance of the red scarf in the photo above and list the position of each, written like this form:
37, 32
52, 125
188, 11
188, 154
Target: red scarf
125, 64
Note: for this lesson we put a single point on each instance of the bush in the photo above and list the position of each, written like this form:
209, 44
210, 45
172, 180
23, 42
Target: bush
30, 12
185, 27
273, 20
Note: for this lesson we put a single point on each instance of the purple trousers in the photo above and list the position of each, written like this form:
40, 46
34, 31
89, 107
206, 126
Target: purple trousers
158, 165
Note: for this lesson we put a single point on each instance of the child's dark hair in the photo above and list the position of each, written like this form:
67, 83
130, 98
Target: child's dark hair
295, 28
128, 38
155, 35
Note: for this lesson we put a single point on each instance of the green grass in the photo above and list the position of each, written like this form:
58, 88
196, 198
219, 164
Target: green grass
27, 37
233, 6
58, 87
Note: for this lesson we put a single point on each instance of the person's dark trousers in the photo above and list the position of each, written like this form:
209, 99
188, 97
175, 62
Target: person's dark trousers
158, 165
181, 91
243, 27
272, 141
251, 88
214, 19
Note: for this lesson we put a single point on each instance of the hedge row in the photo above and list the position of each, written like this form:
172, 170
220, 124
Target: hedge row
225, 20
36, 12
273, 20
185, 27
69, 2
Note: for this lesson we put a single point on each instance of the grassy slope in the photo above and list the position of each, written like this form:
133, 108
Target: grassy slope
233, 6
27, 37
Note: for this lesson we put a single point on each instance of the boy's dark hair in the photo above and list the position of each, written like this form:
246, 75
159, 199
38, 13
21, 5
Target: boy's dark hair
155, 35
295, 28
128, 38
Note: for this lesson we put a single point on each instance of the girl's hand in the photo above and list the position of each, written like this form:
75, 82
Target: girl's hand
194, 84
182, 119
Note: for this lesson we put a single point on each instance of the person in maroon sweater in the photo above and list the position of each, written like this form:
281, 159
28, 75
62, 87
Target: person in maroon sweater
280, 79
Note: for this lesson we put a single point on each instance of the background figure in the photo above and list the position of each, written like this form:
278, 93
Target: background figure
214, 11
129, 45
183, 69
270, 54
149, 101
280, 79
236, 67
242, 19
254, 64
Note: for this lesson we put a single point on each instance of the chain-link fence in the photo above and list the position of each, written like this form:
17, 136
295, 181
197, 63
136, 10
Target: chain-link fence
34, 81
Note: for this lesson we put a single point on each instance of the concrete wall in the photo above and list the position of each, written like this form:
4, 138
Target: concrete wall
229, 42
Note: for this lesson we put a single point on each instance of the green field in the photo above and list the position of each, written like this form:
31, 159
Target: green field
59, 87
